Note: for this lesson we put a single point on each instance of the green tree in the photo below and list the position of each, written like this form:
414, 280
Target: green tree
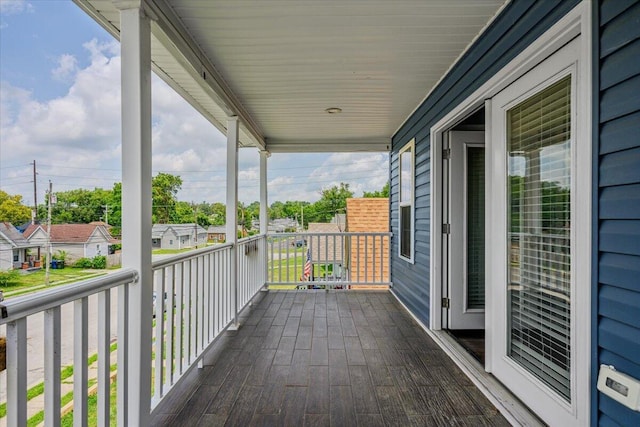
332, 201
218, 214
12, 210
165, 189
380, 193
115, 205
80, 206
182, 213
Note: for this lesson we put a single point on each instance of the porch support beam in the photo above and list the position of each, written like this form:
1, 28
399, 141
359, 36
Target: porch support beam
135, 40
232, 208
264, 212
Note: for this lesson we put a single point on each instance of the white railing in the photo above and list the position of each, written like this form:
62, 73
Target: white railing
337, 260
252, 267
205, 302
15, 315
195, 300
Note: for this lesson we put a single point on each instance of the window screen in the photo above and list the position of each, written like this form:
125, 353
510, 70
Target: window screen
539, 214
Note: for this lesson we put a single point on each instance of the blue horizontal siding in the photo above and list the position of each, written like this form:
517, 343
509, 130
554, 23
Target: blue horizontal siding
623, 338
620, 65
617, 278
610, 9
620, 202
620, 134
621, 415
621, 30
619, 101
620, 168
620, 305
620, 236
620, 270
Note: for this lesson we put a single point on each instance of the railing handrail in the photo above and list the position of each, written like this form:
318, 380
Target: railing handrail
189, 254
334, 233
250, 238
23, 306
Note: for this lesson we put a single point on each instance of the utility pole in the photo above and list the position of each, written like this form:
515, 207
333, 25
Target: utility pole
106, 214
46, 276
35, 195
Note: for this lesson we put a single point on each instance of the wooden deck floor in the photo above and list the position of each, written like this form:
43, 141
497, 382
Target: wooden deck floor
316, 358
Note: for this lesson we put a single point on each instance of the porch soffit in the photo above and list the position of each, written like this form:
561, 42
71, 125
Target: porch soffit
279, 65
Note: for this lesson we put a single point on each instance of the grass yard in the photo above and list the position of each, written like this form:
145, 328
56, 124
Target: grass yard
34, 281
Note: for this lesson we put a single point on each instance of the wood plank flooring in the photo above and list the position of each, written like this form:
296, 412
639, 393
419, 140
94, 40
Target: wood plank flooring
318, 358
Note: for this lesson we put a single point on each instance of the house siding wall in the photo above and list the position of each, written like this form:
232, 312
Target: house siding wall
518, 25
617, 119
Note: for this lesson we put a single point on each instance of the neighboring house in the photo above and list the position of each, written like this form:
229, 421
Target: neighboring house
77, 240
368, 255
14, 248
177, 236
326, 251
217, 233
282, 225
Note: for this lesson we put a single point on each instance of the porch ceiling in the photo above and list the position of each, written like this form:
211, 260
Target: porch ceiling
279, 65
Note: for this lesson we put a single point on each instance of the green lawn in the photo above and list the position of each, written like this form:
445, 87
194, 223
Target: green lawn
35, 281
176, 251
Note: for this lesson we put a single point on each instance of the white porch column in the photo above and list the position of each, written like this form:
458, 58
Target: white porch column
232, 208
135, 41
264, 210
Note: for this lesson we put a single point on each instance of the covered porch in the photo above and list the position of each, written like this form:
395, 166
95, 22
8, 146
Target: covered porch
315, 358
277, 78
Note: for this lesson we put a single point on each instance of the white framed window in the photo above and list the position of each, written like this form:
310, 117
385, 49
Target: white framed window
406, 226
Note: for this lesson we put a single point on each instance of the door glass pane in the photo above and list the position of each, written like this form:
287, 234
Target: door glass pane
539, 259
475, 227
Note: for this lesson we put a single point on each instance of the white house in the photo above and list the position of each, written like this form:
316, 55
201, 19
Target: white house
13, 247
77, 240
177, 236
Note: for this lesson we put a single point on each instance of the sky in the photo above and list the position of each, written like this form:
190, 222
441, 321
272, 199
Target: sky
60, 106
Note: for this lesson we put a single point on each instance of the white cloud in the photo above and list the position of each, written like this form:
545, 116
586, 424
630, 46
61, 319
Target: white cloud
76, 140
67, 65
14, 7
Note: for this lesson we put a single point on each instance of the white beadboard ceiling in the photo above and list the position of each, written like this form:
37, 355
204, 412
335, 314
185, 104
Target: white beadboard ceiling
279, 65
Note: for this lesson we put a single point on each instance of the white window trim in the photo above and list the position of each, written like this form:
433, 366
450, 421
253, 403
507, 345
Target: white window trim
575, 23
411, 145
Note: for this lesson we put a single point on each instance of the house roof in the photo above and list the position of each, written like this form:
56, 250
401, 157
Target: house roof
179, 229
77, 233
325, 248
11, 234
31, 228
279, 66
368, 214
219, 229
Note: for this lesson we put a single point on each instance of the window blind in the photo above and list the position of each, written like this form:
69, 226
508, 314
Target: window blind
539, 214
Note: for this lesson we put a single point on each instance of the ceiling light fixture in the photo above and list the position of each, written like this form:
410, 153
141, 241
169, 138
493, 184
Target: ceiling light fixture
333, 110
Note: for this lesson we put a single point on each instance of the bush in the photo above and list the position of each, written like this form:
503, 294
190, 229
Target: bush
9, 278
99, 262
83, 263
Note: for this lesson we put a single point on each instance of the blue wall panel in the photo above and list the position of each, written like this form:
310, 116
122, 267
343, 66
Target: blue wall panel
617, 276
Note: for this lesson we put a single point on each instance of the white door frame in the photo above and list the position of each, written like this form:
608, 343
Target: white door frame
575, 23
458, 315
